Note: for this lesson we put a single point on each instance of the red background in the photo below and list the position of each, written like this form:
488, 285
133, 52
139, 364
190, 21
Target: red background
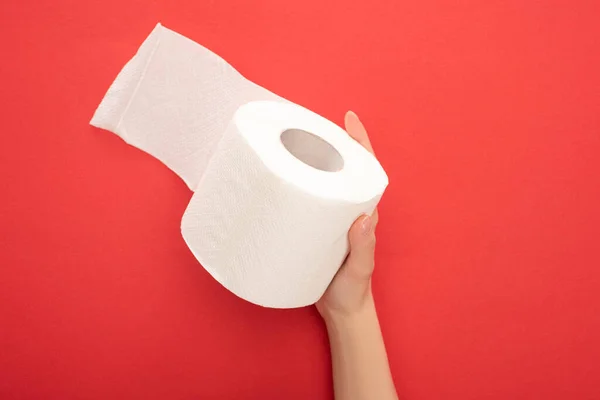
486, 116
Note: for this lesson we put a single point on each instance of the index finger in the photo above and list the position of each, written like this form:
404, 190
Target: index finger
357, 130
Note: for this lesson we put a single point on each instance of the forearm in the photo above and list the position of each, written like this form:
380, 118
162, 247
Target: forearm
360, 365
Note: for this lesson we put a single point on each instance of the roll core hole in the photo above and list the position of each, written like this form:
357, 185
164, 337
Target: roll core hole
312, 150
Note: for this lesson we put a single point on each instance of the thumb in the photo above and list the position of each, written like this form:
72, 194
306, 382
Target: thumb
361, 260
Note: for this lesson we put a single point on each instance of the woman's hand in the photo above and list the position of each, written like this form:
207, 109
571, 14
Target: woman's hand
350, 290
359, 360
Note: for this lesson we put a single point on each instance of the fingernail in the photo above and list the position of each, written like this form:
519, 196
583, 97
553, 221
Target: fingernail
366, 226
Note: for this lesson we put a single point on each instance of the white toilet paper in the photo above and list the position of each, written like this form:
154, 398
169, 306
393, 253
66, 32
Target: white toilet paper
276, 186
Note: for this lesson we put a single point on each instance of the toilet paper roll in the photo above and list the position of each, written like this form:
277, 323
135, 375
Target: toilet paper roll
276, 186
270, 217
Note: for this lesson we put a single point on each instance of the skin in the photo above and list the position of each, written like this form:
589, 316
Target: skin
360, 365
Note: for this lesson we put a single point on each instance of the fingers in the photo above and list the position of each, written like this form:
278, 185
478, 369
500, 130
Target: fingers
357, 130
361, 260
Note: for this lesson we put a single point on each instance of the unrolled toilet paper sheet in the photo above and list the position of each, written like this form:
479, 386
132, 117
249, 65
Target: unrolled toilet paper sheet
174, 100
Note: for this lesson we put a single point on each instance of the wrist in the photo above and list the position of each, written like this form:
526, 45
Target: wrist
347, 316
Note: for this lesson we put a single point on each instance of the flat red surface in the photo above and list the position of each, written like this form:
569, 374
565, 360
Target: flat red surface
486, 115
